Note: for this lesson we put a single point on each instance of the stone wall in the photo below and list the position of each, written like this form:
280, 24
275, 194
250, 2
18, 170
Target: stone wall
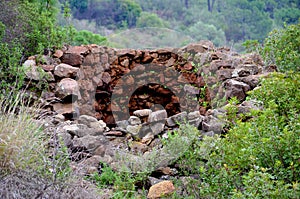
114, 105
110, 84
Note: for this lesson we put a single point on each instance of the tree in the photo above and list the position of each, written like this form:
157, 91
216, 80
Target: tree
286, 15
27, 28
78, 6
203, 31
33, 24
186, 3
210, 5
110, 13
281, 47
87, 37
246, 20
150, 20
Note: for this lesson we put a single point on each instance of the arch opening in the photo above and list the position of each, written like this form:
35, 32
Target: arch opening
146, 96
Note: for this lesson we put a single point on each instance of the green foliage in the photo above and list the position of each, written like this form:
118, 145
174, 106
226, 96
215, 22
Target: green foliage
235, 20
252, 46
87, 37
27, 28
79, 5
281, 47
246, 20
287, 15
123, 183
150, 20
107, 177
258, 158
11, 75
203, 31
286, 95
33, 25
111, 13
260, 184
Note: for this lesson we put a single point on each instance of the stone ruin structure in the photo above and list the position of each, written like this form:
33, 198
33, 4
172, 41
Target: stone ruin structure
110, 84
107, 101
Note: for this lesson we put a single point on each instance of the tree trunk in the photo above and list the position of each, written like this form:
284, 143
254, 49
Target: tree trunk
186, 3
208, 5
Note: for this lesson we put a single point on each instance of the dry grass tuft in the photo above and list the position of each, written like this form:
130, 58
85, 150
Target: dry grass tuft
29, 166
22, 143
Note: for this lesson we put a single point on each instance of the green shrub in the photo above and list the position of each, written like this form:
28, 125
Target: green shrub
281, 47
87, 37
123, 183
258, 158
261, 184
147, 20
27, 28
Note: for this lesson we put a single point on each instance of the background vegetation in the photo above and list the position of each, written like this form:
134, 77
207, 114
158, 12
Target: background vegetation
224, 22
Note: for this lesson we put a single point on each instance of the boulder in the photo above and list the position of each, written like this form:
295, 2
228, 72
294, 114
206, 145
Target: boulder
134, 120
31, 70
142, 113
58, 54
68, 110
122, 125
236, 89
157, 127
49, 76
160, 115
65, 70
67, 90
72, 59
78, 50
175, 119
66, 138
193, 115
90, 143
81, 130
192, 90
87, 120
133, 130
211, 123
161, 189
224, 74
251, 80
247, 106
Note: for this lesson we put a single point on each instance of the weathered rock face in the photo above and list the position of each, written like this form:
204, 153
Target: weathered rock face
112, 84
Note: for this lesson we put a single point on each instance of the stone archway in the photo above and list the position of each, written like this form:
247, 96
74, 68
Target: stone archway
162, 72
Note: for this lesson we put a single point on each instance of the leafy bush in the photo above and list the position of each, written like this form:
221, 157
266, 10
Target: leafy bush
150, 20
258, 158
11, 75
87, 37
26, 28
202, 31
33, 25
281, 48
123, 183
